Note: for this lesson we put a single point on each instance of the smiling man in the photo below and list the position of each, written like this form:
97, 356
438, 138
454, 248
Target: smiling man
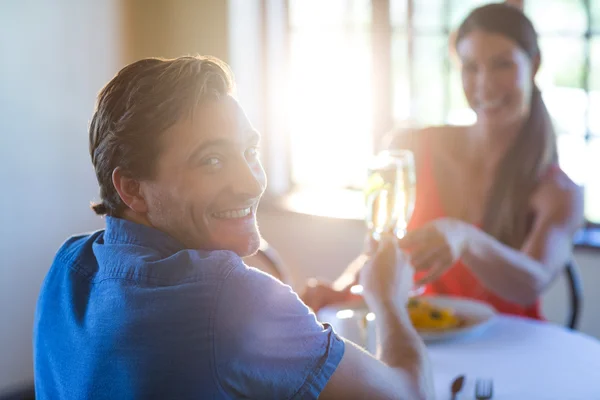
159, 305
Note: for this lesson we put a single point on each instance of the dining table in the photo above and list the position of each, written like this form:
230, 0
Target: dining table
524, 358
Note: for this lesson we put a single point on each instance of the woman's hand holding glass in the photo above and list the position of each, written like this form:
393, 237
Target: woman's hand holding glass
436, 246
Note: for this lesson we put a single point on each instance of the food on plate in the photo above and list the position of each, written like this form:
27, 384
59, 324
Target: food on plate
426, 316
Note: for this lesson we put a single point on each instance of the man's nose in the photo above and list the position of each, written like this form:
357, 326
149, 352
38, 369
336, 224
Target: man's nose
250, 180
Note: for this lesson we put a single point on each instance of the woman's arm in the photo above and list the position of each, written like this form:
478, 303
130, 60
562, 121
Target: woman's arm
522, 276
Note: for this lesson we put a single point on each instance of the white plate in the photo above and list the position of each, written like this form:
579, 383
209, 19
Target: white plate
352, 320
476, 314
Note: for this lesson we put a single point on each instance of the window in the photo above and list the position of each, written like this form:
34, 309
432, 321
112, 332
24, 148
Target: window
330, 91
335, 67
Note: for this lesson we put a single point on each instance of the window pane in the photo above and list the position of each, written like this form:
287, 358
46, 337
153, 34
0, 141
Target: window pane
330, 15
595, 9
560, 78
429, 16
592, 183
557, 16
330, 93
398, 11
400, 78
594, 110
461, 8
570, 150
430, 80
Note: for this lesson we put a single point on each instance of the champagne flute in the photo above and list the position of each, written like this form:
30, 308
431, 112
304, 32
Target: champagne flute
390, 195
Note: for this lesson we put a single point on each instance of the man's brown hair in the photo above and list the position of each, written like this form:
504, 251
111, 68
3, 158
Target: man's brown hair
142, 101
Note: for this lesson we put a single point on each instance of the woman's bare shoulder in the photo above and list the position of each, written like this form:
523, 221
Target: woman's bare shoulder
558, 198
445, 133
412, 138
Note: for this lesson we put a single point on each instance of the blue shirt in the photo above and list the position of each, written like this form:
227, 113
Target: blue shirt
129, 313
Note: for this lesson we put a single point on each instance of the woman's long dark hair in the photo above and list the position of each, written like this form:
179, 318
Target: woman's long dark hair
534, 150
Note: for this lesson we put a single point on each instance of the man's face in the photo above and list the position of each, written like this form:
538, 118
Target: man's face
209, 180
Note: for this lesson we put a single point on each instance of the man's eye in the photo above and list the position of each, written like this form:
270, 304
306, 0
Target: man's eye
212, 162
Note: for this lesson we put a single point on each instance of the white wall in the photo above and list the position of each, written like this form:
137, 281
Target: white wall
54, 57
171, 28
315, 246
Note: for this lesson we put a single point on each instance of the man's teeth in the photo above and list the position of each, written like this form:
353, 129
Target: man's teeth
233, 214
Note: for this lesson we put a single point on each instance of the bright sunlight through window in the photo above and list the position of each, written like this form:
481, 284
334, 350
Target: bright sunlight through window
330, 87
331, 84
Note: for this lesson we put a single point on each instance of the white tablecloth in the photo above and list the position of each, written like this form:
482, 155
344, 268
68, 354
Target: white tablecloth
526, 360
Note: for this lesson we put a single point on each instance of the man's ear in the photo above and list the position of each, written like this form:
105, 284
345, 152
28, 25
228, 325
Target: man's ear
129, 191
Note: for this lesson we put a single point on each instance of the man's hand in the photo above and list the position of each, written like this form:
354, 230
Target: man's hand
387, 277
404, 371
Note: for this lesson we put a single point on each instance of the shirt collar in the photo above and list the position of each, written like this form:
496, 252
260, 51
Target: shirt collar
122, 231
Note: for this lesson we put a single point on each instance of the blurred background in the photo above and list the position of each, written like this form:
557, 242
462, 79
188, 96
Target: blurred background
321, 79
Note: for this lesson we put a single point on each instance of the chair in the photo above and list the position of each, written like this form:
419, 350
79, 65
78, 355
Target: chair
268, 260
26, 392
576, 294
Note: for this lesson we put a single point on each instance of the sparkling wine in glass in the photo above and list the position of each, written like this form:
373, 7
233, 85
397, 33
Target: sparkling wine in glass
390, 193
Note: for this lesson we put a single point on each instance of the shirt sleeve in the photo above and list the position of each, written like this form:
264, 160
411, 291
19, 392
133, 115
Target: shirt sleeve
267, 343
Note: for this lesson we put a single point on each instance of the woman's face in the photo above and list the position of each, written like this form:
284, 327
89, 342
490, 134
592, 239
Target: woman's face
497, 78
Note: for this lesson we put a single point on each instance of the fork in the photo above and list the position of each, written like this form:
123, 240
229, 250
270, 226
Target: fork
484, 389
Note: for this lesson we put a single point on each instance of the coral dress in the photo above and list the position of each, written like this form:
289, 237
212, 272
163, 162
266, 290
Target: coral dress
458, 280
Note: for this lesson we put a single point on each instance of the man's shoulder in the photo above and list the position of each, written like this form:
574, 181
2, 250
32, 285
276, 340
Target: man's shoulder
77, 249
252, 298
242, 278
88, 254
267, 343
202, 265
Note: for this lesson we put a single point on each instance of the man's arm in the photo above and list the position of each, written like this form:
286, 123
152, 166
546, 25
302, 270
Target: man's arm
401, 372
269, 345
402, 369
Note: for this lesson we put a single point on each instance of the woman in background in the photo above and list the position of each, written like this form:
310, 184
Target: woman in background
494, 217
